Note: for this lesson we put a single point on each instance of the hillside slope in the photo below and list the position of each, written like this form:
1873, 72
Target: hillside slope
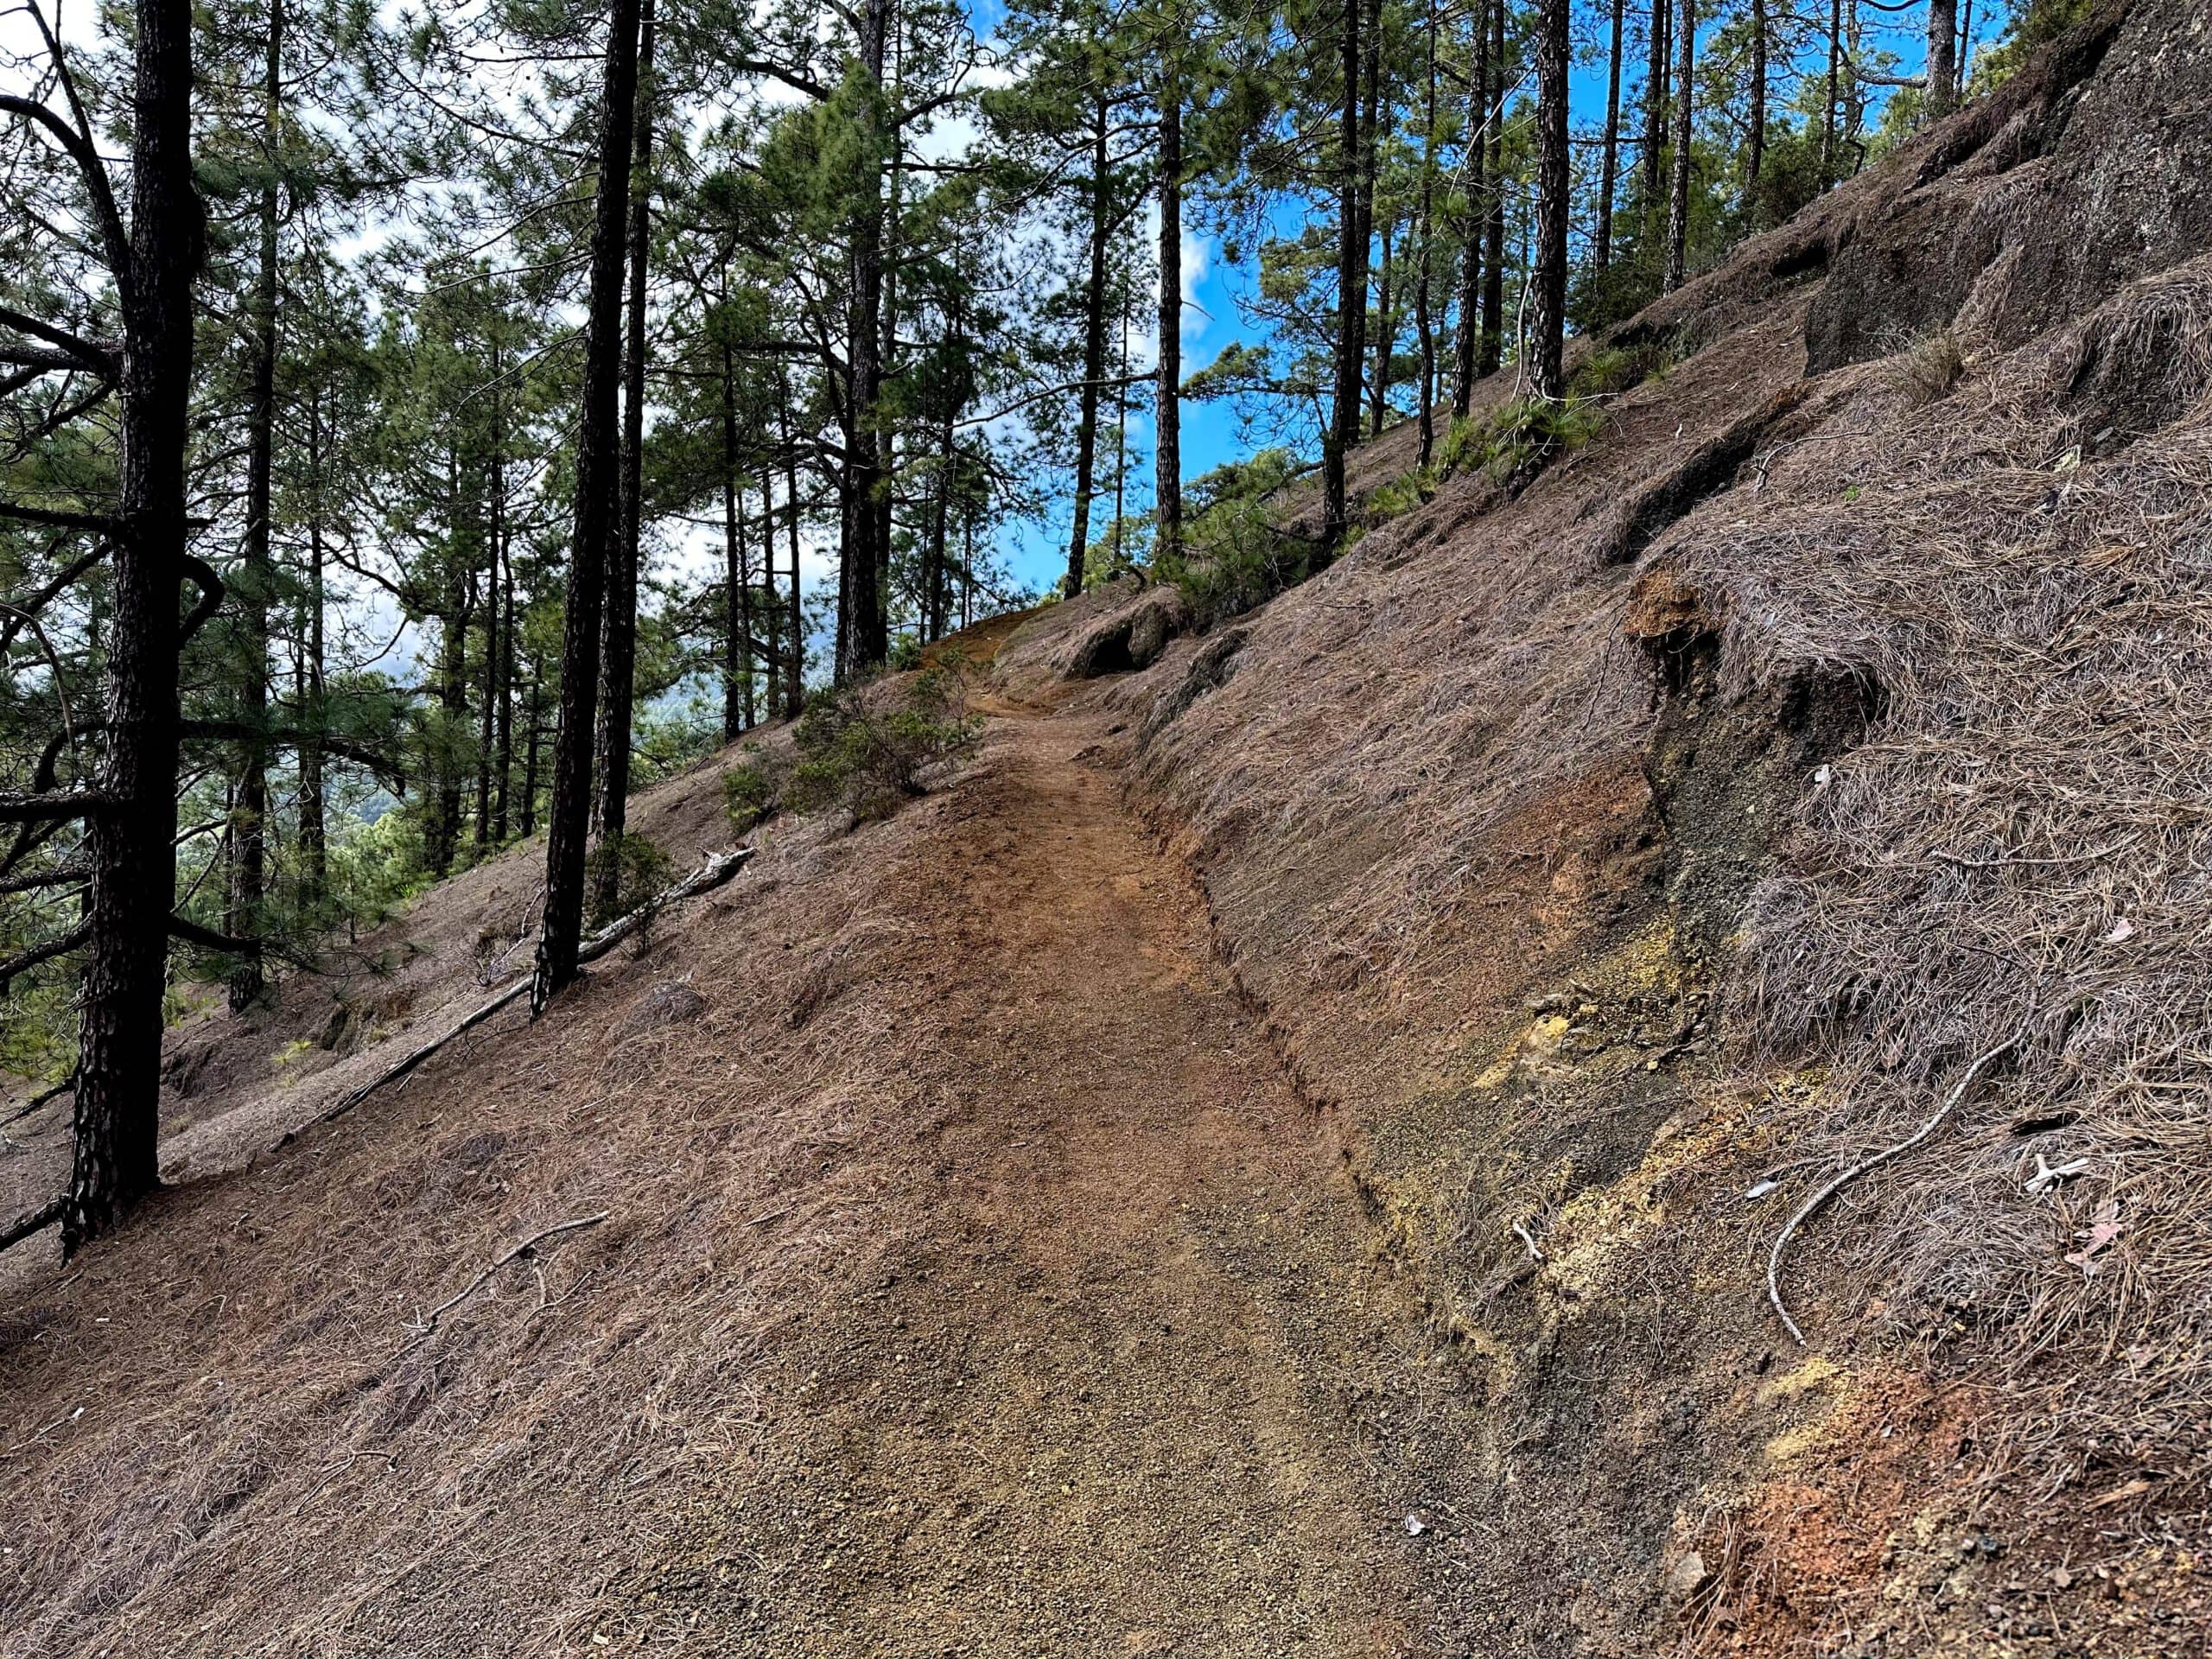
1811, 755
1281, 1153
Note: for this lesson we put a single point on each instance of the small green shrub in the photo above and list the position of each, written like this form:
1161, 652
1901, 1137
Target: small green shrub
1517, 438
1611, 370
867, 761
906, 653
749, 794
1399, 495
640, 869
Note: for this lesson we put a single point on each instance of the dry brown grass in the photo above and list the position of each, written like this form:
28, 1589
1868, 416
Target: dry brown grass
2020, 848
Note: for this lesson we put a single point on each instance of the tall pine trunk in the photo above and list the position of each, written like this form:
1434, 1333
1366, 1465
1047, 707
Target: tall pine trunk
314, 858
1655, 71
1755, 142
1609, 156
1493, 345
1167, 396
1829, 112
864, 639
1351, 283
1386, 336
1943, 58
1468, 351
795, 660
619, 649
1424, 330
131, 842
598, 470
1678, 194
249, 827
737, 664
1094, 346
1547, 280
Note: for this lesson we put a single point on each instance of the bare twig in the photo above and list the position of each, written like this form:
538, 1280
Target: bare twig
428, 1322
1821, 1197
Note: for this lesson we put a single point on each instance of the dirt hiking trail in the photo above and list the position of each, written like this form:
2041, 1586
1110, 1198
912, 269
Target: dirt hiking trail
974, 1282
1104, 1395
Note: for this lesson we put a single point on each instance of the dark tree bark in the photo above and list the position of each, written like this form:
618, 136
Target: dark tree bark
314, 872
1658, 67
1678, 195
1609, 158
1094, 345
618, 659
1386, 336
1468, 352
1167, 397
795, 660
1424, 328
535, 716
443, 839
863, 634
1829, 112
1943, 58
131, 850
1547, 278
252, 588
498, 633
737, 665
1755, 144
505, 768
598, 470
1352, 283
1493, 346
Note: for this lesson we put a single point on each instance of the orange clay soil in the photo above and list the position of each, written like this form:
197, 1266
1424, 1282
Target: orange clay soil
972, 1282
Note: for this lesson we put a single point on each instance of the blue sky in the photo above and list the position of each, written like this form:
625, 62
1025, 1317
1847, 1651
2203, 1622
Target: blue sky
1212, 431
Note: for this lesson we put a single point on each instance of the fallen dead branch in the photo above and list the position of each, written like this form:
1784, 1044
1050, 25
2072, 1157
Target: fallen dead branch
713, 874
428, 1322
1821, 1197
37, 1222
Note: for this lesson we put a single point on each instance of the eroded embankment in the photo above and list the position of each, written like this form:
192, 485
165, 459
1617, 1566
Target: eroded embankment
1629, 852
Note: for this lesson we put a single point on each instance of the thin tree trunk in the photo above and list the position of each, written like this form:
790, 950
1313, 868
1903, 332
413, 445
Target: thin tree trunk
1547, 288
618, 663
1656, 71
1943, 58
507, 662
1828, 113
1678, 203
1468, 354
131, 843
1093, 347
598, 477
250, 839
795, 659
494, 621
1424, 330
865, 640
1351, 285
1386, 333
314, 861
737, 668
535, 715
1755, 153
1493, 347
1167, 396
1609, 161
499, 719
